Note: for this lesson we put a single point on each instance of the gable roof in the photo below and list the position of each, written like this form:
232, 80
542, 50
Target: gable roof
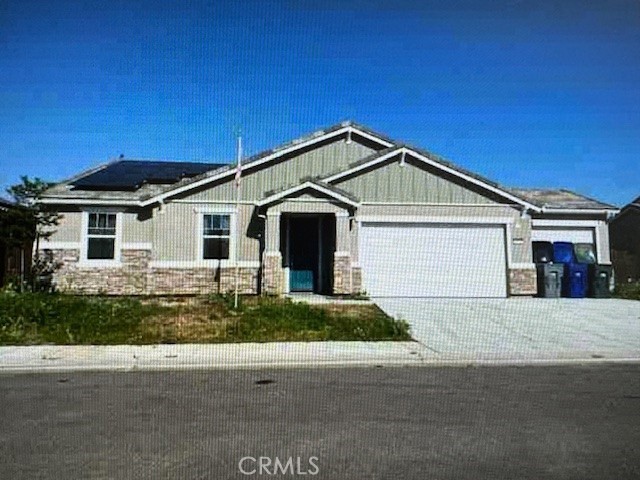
434, 161
271, 155
318, 186
144, 189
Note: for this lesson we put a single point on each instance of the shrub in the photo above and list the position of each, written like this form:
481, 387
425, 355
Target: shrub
630, 291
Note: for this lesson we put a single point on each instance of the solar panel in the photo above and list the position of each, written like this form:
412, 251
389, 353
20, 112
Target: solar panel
132, 174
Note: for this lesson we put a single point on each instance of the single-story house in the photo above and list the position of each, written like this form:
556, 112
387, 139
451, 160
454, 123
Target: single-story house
341, 211
15, 252
624, 231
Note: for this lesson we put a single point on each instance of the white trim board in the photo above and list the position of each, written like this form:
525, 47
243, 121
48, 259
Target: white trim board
137, 246
83, 261
46, 245
89, 201
222, 209
202, 264
565, 223
580, 211
212, 202
428, 204
233, 241
434, 219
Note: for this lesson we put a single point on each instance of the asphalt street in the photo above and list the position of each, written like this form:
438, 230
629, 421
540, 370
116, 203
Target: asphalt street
367, 423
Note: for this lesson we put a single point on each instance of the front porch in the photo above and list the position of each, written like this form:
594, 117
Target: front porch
308, 244
309, 253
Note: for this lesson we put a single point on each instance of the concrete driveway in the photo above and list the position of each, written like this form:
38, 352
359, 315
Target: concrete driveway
522, 328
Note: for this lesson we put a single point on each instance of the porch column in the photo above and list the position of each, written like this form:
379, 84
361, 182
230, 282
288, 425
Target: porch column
272, 272
342, 281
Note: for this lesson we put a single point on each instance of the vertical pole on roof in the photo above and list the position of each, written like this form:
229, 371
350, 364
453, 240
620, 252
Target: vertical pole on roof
237, 221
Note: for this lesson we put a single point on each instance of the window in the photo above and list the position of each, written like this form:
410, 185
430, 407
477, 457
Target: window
216, 236
101, 236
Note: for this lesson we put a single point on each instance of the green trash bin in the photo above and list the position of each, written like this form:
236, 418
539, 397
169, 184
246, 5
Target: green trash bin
600, 280
550, 279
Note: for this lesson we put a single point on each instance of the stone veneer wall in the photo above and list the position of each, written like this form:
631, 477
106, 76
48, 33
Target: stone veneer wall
176, 281
136, 277
523, 281
272, 273
356, 280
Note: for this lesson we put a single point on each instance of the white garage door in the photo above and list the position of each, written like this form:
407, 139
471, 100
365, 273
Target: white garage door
431, 260
574, 235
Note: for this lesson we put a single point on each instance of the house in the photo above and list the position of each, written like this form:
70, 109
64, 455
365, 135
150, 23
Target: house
15, 250
340, 211
624, 231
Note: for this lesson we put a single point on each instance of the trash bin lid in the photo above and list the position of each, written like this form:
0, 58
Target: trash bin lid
585, 253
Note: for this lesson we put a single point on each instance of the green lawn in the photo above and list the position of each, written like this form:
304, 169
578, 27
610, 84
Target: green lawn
36, 318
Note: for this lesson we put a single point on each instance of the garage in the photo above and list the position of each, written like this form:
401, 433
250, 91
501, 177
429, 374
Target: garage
433, 260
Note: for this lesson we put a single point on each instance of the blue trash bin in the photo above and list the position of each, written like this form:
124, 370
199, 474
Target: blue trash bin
575, 280
563, 252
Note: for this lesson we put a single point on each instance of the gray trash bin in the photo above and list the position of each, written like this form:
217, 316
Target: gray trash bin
550, 279
599, 281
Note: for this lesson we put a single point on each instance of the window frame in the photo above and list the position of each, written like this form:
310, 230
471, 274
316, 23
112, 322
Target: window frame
84, 259
214, 262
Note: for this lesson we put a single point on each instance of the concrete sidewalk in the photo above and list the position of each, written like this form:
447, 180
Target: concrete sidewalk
53, 358
193, 356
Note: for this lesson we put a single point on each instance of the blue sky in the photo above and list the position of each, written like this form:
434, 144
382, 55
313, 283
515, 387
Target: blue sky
531, 94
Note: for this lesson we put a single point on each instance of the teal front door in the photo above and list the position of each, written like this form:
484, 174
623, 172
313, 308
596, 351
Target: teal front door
303, 254
301, 280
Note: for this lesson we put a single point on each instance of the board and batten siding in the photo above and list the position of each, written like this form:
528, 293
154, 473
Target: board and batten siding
137, 227
394, 182
69, 228
323, 161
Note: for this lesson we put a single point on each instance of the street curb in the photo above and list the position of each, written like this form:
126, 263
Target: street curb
453, 363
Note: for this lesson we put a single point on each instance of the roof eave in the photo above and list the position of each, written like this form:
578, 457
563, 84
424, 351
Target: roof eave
583, 211
283, 195
88, 201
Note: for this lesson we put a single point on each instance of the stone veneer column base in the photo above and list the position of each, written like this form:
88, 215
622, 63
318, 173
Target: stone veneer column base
272, 273
356, 280
342, 284
523, 281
